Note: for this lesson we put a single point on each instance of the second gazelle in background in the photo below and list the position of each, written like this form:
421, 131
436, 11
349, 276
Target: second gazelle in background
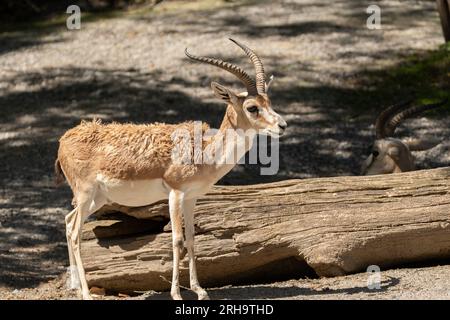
391, 155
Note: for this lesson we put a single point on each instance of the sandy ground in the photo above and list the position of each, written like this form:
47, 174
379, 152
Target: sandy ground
132, 68
404, 284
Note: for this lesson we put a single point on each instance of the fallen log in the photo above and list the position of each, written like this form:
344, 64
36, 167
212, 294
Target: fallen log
331, 226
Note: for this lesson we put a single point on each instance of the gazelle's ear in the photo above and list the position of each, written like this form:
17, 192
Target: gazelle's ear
422, 144
394, 153
224, 93
268, 83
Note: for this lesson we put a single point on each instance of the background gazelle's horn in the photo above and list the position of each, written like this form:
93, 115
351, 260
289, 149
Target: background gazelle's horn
383, 118
409, 112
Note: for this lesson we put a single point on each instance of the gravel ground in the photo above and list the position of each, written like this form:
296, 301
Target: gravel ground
132, 68
406, 283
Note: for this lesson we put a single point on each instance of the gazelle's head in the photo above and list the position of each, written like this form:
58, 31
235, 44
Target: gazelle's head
391, 155
253, 108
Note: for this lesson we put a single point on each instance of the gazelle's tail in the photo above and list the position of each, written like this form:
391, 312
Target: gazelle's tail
59, 174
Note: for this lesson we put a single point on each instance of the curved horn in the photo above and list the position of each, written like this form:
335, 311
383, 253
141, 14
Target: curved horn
238, 72
259, 68
380, 124
408, 113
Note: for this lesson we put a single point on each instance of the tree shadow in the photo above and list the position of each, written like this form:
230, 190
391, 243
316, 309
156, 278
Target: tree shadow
212, 22
12, 43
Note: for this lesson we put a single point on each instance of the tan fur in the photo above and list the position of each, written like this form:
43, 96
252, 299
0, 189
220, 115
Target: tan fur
122, 151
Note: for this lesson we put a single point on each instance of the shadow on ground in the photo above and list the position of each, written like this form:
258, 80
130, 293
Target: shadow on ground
264, 291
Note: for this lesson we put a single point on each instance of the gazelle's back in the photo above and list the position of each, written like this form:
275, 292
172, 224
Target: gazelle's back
118, 151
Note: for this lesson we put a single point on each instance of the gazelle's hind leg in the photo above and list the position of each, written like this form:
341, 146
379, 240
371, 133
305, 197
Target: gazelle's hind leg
87, 204
176, 220
188, 213
74, 279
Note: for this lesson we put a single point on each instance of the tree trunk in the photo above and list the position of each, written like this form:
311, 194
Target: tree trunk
333, 226
444, 13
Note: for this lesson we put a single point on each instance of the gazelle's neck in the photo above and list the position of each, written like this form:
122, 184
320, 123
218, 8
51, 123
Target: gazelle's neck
229, 144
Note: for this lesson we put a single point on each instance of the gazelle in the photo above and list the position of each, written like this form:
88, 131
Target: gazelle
391, 155
133, 165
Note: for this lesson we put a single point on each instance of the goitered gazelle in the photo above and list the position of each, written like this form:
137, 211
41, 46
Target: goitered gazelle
133, 165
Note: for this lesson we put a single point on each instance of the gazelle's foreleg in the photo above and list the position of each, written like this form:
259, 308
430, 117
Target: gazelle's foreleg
176, 202
189, 231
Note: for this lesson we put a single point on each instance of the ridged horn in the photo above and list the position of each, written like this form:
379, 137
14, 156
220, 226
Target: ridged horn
257, 63
408, 113
383, 118
237, 71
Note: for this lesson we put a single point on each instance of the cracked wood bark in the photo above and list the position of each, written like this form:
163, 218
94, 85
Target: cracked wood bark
336, 226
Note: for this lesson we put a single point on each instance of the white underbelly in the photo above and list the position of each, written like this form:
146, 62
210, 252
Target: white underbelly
132, 193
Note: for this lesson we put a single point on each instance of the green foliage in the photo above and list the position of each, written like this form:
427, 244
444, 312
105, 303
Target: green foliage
425, 77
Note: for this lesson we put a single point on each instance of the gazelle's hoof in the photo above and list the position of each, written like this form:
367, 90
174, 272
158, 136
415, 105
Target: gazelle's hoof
202, 294
87, 296
176, 296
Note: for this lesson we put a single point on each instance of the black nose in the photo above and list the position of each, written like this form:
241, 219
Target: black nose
282, 126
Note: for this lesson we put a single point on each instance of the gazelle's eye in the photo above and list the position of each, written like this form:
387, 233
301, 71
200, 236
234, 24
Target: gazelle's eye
252, 109
375, 153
